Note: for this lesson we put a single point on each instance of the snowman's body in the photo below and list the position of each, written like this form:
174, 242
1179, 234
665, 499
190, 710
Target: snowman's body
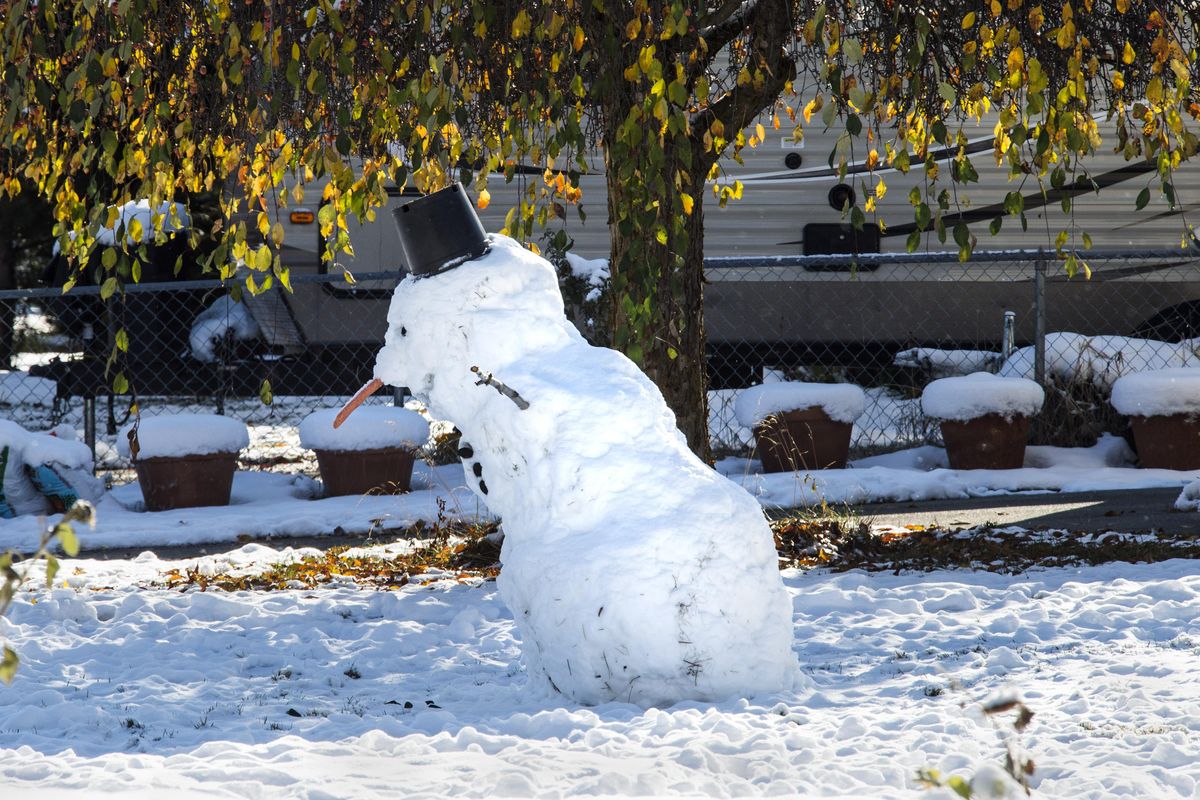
633, 570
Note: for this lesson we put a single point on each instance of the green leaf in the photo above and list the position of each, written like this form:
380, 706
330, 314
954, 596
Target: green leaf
108, 258
913, 242
52, 566
994, 228
1143, 198
265, 394
122, 341
853, 50
120, 383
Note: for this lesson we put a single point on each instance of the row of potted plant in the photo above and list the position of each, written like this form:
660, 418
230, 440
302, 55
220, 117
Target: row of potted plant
984, 419
189, 460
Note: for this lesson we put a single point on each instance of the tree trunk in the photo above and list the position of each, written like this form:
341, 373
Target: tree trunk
670, 347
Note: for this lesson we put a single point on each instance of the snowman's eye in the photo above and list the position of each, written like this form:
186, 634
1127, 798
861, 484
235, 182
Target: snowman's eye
403, 331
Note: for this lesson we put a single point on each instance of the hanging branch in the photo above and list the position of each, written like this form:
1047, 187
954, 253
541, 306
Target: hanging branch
507, 391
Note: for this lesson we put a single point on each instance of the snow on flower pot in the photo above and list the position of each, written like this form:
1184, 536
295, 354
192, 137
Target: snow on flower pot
1163, 407
184, 460
984, 418
801, 425
372, 452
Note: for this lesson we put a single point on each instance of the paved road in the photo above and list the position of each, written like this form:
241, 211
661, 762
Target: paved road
1127, 511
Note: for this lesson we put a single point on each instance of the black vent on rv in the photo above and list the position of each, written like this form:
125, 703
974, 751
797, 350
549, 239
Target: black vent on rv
824, 238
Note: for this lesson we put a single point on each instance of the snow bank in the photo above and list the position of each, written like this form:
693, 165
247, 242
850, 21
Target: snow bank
1100, 359
21, 388
184, 435
971, 396
633, 570
368, 428
1158, 392
842, 402
944, 363
210, 326
71, 459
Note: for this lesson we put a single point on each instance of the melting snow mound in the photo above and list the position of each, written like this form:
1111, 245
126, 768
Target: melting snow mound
634, 571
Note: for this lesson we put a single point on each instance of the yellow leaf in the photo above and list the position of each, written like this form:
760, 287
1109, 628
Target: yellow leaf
521, 24
633, 29
688, 203
135, 229
1122, 6
1154, 90
485, 198
762, 134
1128, 56
995, 8
1016, 60
264, 224
968, 20
277, 234
577, 42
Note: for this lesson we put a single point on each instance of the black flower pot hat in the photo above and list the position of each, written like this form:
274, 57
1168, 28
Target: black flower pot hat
440, 231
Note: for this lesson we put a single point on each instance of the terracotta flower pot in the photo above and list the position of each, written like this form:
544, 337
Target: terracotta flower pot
802, 439
1167, 441
186, 481
387, 470
986, 442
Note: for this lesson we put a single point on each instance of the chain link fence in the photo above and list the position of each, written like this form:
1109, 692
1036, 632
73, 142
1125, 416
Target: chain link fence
889, 323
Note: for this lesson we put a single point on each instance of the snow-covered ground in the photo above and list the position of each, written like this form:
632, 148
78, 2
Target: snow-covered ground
346, 692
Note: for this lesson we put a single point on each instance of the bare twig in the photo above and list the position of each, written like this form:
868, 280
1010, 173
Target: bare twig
510, 393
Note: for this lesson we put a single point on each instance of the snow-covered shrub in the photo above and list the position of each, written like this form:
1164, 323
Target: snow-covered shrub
584, 284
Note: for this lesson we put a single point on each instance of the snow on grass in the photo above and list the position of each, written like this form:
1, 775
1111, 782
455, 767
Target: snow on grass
419, 692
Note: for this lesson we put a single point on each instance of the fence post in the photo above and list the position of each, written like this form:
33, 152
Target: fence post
1039, 307
89, 425
1008, 340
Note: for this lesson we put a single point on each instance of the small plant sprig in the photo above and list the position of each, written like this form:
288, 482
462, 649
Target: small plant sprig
991, 782
62, 532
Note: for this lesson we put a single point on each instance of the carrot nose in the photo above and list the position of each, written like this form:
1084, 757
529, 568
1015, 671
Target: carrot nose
369, 388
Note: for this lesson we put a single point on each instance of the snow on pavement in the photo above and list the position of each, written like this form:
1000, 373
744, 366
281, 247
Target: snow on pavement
263, 504
140, 691
921, 473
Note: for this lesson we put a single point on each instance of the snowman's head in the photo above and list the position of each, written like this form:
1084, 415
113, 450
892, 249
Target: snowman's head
486, 312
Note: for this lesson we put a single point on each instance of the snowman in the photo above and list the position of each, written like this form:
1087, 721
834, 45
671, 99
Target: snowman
634, 571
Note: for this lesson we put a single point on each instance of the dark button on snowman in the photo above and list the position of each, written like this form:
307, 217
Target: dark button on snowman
634, 571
